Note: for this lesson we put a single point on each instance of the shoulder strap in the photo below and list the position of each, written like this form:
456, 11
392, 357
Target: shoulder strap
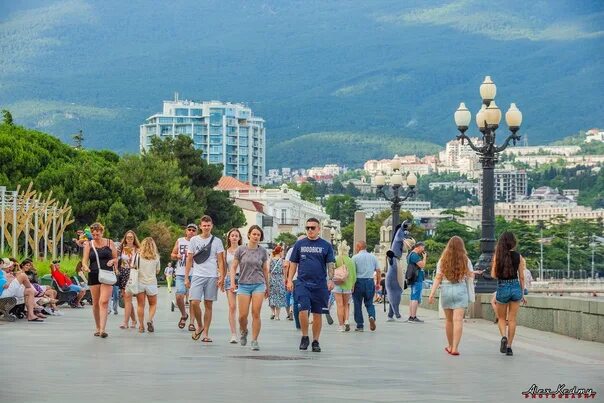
98, 263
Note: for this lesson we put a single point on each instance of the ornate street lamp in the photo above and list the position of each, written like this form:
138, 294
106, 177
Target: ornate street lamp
487, 120
392, 192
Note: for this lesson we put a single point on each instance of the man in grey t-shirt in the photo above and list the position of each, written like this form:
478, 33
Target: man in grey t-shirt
206, 277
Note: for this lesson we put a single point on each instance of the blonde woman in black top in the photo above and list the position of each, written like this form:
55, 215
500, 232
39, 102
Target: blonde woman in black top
107, 260
508, 268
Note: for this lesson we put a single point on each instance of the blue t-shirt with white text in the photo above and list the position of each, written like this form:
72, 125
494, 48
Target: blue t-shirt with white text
312, 257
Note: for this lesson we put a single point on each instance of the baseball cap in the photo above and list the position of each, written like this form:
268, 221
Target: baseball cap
192, 226
6, 263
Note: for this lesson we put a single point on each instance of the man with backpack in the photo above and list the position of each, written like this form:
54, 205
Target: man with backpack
416, 261
366, 265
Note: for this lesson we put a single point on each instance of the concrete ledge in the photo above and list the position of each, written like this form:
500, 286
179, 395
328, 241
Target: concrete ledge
581, 318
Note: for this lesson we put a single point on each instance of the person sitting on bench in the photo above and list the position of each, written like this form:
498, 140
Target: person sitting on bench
18, 286
65, 283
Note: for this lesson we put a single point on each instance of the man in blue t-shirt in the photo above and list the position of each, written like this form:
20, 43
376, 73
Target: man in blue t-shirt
314, 260
416, 261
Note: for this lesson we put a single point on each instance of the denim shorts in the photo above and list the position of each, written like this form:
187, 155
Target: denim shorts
75, 288
416, 291
227, 282
249, 289
454, 295
179, 284
508, 291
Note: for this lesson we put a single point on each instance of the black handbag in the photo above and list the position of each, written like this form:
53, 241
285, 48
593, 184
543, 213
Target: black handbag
204, 253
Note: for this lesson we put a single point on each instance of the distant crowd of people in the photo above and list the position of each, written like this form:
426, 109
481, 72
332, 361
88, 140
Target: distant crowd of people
304, 280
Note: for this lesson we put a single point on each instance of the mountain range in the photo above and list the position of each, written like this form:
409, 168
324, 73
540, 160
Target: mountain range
390, 71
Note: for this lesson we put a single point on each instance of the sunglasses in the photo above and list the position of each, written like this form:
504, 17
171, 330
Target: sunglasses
191, 230
56, 261
311, 228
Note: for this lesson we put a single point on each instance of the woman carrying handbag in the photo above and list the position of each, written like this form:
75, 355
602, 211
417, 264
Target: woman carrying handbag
100, 261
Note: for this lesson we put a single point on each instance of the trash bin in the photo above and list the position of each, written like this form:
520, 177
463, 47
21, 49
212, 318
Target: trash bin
46, 280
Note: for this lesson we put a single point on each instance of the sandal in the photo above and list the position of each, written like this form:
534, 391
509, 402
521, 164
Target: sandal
206, 340
150, 327
104, 335
122, 326
192, 328
97, 334
196, 335
141, 330
182, 322
133, 325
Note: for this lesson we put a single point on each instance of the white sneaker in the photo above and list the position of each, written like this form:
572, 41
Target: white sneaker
390, 320
234, 339
59, 313
255, 346
341, 329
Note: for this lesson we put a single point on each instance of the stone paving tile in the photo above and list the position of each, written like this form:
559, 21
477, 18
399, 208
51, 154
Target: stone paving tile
61, 361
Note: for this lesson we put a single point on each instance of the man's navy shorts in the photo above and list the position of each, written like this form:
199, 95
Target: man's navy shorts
314, 299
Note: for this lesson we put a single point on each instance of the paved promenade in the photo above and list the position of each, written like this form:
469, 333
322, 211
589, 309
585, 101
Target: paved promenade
61, 361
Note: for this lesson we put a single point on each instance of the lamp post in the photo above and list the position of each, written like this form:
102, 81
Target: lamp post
392, 193
487, 120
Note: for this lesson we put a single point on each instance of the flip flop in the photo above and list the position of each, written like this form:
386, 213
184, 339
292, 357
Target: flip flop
104, 335
447, 350
183, 322
455, 353
191, 327
150, 327
97, 334
35, 320
196, 335
206, 340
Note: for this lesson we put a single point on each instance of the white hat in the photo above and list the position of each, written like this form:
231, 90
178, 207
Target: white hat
6, 263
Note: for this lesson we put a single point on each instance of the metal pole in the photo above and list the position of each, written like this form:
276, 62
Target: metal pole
487, 241
541, 263
26, 247
36, 252
568, 257
15, 248
2, 207
396, 210
593, 253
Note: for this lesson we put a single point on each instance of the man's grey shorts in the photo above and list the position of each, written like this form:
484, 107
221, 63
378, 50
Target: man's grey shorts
203, 288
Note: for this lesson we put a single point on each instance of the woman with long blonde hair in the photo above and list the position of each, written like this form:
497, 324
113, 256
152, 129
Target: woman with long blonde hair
129, 247
148, 266
452, 270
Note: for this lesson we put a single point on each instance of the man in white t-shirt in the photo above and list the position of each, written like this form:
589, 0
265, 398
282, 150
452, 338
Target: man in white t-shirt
206, 277
179, 253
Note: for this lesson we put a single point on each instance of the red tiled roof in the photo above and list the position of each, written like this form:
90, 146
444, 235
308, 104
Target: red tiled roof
229, 183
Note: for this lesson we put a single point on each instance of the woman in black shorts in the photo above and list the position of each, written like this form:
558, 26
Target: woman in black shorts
107, 260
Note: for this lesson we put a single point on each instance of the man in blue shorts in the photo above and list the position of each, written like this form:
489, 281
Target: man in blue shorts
313, 259
416, 261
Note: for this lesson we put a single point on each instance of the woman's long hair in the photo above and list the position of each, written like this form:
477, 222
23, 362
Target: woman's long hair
504, 268
149, 249
454, 260
135, 242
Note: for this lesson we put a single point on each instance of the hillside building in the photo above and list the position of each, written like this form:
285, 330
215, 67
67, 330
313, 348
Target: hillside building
227, 133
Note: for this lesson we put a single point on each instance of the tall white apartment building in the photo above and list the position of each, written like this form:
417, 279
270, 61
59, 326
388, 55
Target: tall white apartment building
509, 185
227, 133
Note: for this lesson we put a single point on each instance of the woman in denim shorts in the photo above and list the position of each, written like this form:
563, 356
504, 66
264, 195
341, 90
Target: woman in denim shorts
508, 269
252, 261
233, 241
452, 270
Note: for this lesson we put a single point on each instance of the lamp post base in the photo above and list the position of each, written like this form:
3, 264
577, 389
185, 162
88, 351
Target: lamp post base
485, 284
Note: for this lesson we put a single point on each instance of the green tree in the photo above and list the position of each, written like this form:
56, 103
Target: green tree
342, 208
307, 192
7, 117
287, 238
